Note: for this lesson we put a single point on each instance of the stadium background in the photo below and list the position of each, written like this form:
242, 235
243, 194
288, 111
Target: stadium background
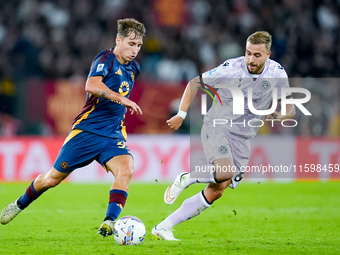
46, 48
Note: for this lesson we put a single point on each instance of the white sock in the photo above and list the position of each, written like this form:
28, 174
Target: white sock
190, 208
165, 224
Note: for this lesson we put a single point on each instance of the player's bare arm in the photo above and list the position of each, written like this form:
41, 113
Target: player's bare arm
96, 87
290, 110
189, 94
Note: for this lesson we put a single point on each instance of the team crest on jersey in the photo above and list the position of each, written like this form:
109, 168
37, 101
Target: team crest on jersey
132, 76
223, 150
265, 85
64, 165
100, 67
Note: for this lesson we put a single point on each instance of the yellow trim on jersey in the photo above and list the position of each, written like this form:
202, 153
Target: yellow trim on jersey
124, 132
71, 135
106, 168
123, 128
86, 114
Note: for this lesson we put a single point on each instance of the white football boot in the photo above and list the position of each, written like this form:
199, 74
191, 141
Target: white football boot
164, 234
9, 212
106, 228
173, 191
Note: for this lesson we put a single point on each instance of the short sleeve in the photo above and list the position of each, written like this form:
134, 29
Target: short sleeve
216, 75
282, 82
101, 64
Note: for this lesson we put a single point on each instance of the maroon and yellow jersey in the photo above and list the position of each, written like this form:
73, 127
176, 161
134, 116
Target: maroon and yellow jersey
102, 116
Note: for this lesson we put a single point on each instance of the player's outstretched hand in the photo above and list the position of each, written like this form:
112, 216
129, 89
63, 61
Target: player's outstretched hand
132, 106
175, 122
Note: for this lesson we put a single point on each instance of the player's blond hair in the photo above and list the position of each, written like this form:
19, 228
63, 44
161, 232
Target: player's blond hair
127, 26
261, 37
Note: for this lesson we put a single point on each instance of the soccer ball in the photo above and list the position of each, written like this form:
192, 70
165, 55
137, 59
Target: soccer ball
129, 230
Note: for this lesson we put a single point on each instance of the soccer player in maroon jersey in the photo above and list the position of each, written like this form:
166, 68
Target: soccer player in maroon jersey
98, 132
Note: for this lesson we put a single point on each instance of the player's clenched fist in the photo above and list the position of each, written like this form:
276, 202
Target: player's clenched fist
175, 122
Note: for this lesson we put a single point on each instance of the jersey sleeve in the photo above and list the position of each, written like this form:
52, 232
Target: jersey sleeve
282, 82
101, 64
136, 68
217, 75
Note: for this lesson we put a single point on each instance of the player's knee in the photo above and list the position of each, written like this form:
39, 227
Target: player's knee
125, 173
224, 176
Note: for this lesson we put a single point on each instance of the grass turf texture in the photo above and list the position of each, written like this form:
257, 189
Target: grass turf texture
256, 218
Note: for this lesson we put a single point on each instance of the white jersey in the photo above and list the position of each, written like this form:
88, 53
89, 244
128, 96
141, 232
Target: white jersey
234, 72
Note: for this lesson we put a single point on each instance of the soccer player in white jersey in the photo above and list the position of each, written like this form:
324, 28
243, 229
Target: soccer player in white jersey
226, 146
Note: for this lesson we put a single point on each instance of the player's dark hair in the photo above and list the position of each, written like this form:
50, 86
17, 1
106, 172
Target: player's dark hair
261, 37
127, 26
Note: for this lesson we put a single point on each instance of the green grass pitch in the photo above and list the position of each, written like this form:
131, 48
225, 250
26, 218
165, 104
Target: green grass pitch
256, 218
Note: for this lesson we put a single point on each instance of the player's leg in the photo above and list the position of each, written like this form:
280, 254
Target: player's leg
79, 149
217, 150
214, 191
194, 205
228, 156
222, 170
190, 208
121, 167
41, 184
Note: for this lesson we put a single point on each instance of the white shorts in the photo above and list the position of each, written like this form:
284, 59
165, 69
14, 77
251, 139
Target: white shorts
218, 144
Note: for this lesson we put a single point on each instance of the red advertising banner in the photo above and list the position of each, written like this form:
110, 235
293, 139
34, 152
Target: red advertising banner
162, 157
318, 158
22, 159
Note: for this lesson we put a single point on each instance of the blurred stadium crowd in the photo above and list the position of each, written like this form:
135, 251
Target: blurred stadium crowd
58, 39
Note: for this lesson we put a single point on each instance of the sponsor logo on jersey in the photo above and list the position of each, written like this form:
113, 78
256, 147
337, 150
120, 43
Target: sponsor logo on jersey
100, 67
124, 88
119, 72
116, 101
